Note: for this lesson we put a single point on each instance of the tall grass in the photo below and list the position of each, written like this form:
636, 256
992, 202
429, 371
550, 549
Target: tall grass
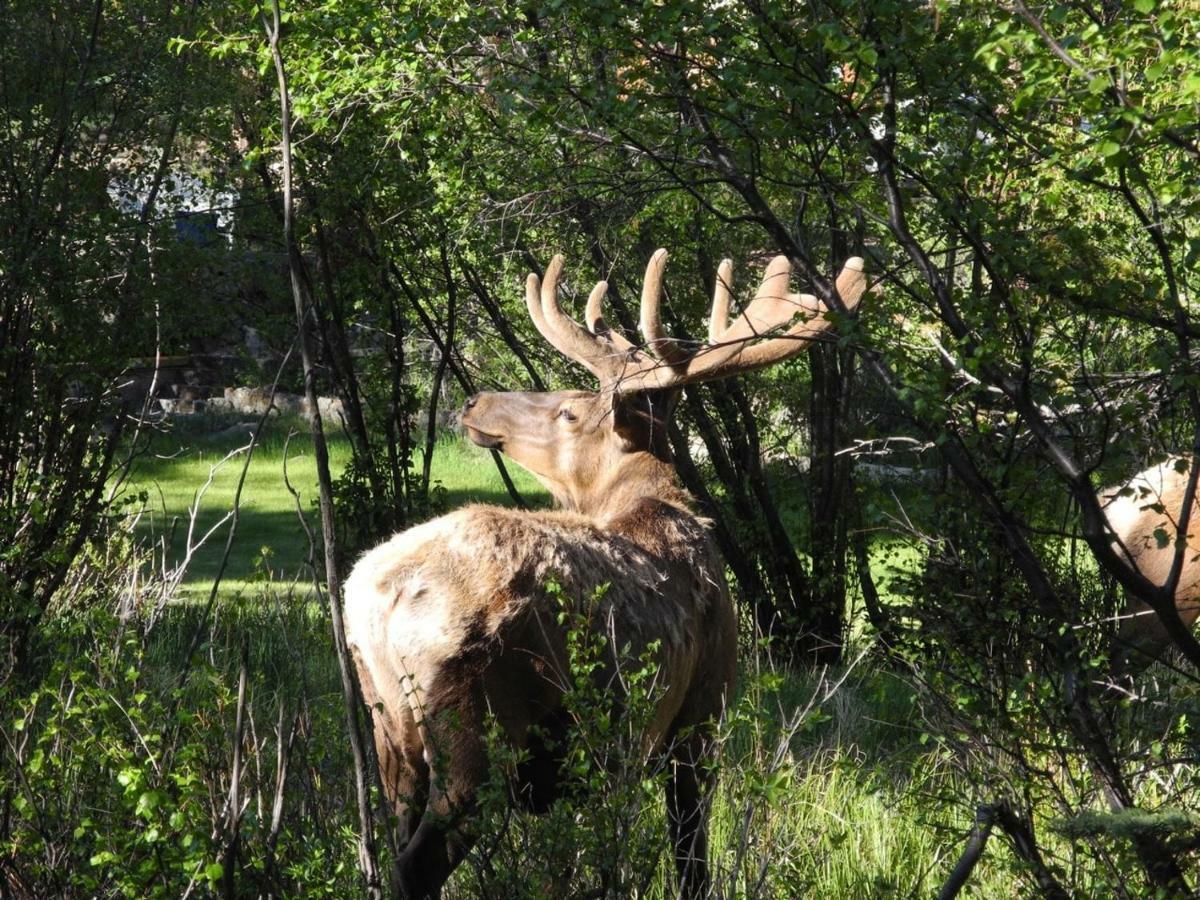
825, 787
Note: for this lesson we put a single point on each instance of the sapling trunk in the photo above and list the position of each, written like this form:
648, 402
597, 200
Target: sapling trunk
367, 855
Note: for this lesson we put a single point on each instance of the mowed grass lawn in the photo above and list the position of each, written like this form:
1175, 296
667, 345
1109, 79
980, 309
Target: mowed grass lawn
195, 468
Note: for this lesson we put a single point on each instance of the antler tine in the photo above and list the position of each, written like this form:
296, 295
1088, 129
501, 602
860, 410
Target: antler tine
594, 316
771, 308
851, 283
650, 322
565, 335
596, 324
533, 301
731, 349
550, 307
718, 319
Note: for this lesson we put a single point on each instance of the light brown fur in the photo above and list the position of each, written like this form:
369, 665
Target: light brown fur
1152, 502
451, 620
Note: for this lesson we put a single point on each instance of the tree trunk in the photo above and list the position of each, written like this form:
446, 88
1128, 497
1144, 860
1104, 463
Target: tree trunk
830, 502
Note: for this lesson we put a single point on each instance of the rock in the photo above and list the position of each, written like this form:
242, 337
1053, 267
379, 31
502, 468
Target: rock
254, 401
880, 472
176, 407
329, 407
247, 400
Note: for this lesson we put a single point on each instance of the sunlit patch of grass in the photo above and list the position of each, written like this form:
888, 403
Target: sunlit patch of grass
467, 473
182, 471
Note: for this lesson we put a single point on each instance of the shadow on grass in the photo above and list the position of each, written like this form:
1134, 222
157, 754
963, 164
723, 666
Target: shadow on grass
871, 717
286, 636
266, 542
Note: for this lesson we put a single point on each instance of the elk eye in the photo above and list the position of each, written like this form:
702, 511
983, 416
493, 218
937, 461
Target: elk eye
566, 414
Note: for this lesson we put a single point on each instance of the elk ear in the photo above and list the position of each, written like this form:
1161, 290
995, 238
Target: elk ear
640, 419
628, 421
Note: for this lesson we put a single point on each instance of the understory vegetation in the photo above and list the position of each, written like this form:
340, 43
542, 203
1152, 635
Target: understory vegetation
333, 205
129, 745
848, 781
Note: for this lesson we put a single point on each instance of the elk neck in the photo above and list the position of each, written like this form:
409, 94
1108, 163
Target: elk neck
618, 488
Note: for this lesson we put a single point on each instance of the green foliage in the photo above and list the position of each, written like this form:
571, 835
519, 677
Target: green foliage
819, 786
117, 765
1022, 174
823, 783
1132, 823
606, 834
86, 120
107, 801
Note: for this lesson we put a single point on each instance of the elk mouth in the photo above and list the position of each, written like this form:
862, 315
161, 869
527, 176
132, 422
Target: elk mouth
483, 439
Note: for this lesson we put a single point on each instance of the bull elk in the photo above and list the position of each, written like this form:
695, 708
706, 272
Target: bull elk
451, 621
1145, 516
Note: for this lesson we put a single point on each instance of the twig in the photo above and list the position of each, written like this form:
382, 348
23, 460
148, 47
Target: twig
229, 854
985, 818
234, 515
367, 854
283, 755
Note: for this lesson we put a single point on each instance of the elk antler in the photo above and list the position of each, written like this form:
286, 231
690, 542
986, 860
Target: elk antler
732, 347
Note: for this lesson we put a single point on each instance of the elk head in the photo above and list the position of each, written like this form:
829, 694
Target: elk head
591, 449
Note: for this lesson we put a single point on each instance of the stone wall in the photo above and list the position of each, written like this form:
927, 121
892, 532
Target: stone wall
248, 401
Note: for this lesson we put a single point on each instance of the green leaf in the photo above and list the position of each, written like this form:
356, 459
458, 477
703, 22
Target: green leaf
147, 803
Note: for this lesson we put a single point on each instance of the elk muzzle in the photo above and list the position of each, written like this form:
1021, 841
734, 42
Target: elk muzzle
502, 420
472, 422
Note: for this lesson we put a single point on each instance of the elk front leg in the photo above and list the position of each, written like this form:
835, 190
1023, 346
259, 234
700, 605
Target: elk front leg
405, 776
688, 787
426, 863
